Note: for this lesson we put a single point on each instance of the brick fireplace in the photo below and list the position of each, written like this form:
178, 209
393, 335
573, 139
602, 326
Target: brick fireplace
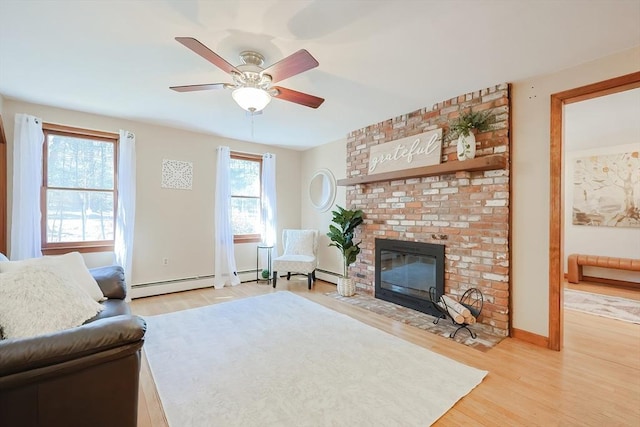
467, 212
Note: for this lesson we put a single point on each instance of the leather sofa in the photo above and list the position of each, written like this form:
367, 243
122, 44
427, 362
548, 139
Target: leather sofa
84, 376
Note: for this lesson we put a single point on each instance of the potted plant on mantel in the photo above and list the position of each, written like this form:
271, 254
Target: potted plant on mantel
342, 238
463, 127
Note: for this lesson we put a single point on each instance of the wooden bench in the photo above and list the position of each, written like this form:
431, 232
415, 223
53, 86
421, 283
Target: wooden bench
577, 261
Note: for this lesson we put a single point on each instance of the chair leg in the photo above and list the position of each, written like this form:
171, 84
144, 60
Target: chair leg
275, 277
309, 279
313, 275
288, 275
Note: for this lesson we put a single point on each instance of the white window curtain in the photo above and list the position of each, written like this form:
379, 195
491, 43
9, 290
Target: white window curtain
268, 198
224, 258
26, 240
125, 218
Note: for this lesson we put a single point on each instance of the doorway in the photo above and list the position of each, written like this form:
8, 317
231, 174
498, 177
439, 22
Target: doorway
556, 226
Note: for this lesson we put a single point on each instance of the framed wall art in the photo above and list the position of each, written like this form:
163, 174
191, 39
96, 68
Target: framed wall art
177, 174
606, 190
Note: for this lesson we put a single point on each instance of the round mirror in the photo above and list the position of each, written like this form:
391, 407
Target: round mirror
322, 190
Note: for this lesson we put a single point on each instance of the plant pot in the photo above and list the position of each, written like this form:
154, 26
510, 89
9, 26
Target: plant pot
346, 287
466, 148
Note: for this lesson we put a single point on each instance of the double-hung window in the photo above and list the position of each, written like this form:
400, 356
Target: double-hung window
246, 173
79, 191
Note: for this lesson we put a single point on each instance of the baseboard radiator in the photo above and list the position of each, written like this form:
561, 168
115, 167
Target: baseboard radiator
141, 290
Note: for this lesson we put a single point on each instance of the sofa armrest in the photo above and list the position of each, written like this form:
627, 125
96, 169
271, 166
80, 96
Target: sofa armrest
76, 348
111, 281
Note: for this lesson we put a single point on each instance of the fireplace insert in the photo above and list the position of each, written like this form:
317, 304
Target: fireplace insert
406, 270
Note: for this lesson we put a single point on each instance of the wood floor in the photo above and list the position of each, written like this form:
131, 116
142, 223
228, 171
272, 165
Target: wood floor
598, 288
594, 381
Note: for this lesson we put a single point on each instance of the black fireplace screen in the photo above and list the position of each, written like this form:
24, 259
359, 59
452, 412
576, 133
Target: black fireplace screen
406, 270
407, 274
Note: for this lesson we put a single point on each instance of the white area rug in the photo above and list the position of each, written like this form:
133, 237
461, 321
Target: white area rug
282, 360
603, 305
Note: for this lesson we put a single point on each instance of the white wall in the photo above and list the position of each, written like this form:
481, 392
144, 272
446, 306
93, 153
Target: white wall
621, 242
332, 156
173, 224
600, 126
530, 181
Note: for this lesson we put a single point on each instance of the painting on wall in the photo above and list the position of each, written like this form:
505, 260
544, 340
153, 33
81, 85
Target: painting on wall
606, 190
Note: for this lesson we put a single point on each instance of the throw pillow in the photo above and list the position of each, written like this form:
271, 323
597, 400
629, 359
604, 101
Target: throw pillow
3, 257
300, 242
69, 265
36, 301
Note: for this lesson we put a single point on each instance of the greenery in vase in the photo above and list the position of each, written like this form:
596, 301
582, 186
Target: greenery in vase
342, 236
478, 120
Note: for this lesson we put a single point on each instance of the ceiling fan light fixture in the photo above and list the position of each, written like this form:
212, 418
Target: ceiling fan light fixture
252, 86
251, 99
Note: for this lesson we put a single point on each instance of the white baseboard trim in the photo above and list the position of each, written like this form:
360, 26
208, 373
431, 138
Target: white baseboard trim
327, 276
188, 284
161, 288
181, 285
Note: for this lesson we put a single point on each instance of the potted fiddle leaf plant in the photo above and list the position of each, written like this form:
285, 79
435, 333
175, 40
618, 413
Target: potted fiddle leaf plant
341, 236
462, 128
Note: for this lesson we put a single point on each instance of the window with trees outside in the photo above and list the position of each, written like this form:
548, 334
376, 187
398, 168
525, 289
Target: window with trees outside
79, 194
246, 171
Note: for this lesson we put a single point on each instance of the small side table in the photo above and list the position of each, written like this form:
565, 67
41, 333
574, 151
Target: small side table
259, 277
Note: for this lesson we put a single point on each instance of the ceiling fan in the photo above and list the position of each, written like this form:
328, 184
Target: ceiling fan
253, 85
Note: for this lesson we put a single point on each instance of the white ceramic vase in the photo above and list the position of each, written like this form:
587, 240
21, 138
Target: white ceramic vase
346, 287
466, 146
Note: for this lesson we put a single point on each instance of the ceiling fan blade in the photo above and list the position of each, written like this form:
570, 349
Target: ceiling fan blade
207, 54
298, 97
291, 65
193, 88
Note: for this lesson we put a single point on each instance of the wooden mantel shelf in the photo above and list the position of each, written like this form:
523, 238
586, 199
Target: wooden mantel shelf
484, 163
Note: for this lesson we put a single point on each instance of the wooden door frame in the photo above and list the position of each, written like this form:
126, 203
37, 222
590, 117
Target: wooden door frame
556, 223
3, 189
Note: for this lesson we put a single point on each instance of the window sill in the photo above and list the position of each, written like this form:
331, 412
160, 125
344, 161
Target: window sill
250, 238
60, 250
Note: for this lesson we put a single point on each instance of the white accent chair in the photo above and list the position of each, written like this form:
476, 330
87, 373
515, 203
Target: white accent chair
300, 255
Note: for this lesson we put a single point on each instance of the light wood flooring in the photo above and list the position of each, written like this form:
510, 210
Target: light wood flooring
593, 381
598, 288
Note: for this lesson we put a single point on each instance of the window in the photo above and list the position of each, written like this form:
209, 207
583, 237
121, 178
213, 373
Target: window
79, 192
245, 197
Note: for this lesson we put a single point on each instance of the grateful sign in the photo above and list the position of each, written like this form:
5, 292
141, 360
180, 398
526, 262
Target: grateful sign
415, 151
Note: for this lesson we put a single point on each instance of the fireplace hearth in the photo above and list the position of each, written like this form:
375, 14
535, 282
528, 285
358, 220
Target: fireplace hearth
404, 272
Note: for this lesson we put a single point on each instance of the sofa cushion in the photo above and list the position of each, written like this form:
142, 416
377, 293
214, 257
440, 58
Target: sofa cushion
111, 281
111, 308
71, 265
39, 300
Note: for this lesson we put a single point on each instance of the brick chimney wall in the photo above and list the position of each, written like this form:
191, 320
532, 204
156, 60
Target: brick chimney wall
468, 212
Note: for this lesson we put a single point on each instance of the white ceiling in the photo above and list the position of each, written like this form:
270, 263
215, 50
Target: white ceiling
378, 59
